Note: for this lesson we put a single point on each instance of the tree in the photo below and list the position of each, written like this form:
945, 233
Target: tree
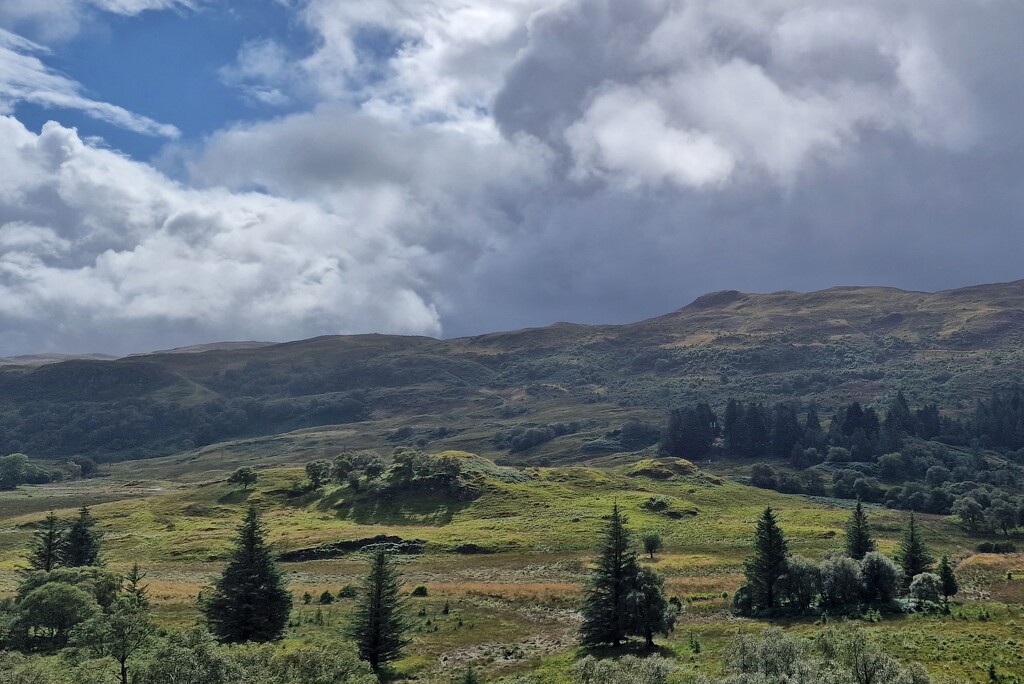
926, 587
914, 556
119, 634
48, 613
768, 563
468, 676
880, 578
12, 471
134, 588
802, 582
378, 624
652, 543
858, 534
318, 472
244, 476
606, 618
841, 581
949, 586
651, 612
970, 512
81, 546
1003, 515
249, 601
47, 545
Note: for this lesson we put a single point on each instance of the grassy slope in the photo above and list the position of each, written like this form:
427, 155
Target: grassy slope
519, 601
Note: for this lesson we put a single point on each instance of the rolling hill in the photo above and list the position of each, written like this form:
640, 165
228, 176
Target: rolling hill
823, 347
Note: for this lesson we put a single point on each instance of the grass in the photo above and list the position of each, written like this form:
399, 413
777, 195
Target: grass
514, 610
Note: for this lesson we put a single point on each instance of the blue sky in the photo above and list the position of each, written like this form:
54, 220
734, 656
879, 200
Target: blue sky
180, 171
166, 65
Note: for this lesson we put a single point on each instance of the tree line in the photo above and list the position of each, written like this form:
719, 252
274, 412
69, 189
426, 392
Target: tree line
851, 582
909, 459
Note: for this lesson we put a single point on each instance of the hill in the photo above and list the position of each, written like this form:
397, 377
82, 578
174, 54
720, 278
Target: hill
578, 382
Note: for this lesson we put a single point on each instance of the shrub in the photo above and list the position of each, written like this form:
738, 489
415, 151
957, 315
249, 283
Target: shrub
419, 591
926, 587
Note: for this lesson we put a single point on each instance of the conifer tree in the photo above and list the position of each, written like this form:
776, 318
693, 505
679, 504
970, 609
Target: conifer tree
768, 563
606, 614
914, 556
249, 601
82, 543
950, 587
47, 546
134, 589
379, 625
858, 534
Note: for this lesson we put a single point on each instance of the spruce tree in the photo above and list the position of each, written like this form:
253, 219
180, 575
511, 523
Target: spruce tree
914, 556
950, 587
858, 534
379, 625
47, 546
768, 563
82, 543
249, 601
606, 614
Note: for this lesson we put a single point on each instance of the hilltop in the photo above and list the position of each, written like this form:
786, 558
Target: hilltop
824, 347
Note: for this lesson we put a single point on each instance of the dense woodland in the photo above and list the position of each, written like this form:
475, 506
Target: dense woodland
911, 459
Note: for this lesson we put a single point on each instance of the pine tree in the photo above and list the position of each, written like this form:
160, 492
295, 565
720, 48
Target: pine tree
950, 587
768, 563
606, 615
47, 545
135, 591
858, 534
914, 556
82, 543
249, 601
378, 625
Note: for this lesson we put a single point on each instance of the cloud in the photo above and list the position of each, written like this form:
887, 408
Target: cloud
25, 78
99, 251
694, 93
61, 19
463, 167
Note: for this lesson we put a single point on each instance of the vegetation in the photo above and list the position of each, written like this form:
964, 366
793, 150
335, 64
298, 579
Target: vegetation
378, 624
249, 601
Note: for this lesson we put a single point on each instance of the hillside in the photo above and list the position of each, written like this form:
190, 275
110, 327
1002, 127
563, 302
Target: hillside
824, 347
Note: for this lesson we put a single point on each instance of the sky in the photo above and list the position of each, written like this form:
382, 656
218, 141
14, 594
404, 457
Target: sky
175, 172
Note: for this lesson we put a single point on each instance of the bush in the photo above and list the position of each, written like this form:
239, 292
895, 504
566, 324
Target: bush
880, 577
926, 587
626, 670
419, 591
840, 582
997, 547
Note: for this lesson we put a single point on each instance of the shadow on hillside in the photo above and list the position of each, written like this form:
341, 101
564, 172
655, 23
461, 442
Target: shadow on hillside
235, 497
402, 509
632, 647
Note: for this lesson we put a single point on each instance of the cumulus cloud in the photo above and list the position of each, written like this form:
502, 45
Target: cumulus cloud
693, 93
25, 78
461, 167
115, 252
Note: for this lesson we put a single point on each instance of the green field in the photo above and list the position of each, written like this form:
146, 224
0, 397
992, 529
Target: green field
512, 604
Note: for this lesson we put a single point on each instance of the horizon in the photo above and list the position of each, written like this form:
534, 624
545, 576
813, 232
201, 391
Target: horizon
219, 343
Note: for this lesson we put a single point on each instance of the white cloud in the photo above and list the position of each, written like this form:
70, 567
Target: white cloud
111, 247
25, 78
61, 19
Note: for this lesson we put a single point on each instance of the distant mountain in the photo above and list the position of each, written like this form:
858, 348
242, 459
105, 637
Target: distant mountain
823, 347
